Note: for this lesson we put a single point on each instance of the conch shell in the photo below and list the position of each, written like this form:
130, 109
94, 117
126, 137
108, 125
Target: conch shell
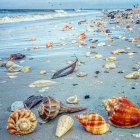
65, 123
22, 122
51, 107
122, 112
93, 123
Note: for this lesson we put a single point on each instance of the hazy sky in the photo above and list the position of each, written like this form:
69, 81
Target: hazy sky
58, 4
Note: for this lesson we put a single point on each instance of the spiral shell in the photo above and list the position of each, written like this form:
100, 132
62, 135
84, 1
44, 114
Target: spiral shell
122, 112
65, 123
21, 122
93, 123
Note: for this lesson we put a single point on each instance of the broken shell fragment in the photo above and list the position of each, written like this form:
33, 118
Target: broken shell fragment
42, 83
117, 52
26, 69
17, 105
65, 123
22, 122
93, 123
110, 66
98, 56
81, 74
72, 100
110, 59
133, 75
42, 72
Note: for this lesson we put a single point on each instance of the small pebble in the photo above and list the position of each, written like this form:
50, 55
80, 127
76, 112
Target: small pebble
87, 96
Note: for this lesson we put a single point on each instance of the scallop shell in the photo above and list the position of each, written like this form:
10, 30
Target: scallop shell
93, 123
72, 100
122, 112
21, 122
17, 105
41, 83
133, 75
65, 123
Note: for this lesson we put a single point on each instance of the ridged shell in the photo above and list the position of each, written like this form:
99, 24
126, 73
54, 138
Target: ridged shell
122, 112
93, 123
65, 123
21, 122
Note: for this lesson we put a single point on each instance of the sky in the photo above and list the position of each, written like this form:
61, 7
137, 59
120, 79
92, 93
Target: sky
66, 4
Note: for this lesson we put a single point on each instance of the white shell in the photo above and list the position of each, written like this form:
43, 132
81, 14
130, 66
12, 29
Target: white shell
17, 105
41, 83
133, 75
110, 59
65, 123
82, 74
110, 66
72, 100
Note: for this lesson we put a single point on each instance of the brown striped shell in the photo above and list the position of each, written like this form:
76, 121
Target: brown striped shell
122, 112
93, 123
21, 122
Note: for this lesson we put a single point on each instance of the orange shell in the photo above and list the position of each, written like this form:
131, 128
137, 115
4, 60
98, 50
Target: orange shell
93, 123
122, 112
49, 44
82, 36
21, 122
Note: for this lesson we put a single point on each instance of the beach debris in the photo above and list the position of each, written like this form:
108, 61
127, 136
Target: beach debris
32, 101
21, 122
93, 123
50, 108
17, 105
49, 44
110, 66
111, 59
16, 56
82, 36
81, 74
133, 75
42, 83
33, 39
65, 123
136, 135
45, 89
73, 100
122, 112
42, 72
87, 96
65, 71
136, 39
26, 69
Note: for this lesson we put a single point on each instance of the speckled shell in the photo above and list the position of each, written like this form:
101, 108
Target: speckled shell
65, 123
21, 122
93, 123
122, 112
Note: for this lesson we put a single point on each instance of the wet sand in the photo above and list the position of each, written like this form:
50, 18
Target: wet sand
99, 86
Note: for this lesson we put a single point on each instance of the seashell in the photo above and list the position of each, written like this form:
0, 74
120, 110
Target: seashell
82, 36
21, 122
110, 59
51, 108
65, 123
42, 72
26, 69
72, 100
49, 44
42, 83
98, 56
17, 105
117, 52
133, 75
88, 54
82, 74
122, 112
12, 67
110, 66
93, 123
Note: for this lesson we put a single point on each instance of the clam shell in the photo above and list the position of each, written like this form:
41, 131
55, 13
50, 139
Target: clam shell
17, 105
133, 75
93, 123
65, 123
21, 122
41, 83
122, 112
73, 100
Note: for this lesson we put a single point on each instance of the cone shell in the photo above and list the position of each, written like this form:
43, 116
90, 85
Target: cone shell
122, 112
65, 123
93, 123
21, 122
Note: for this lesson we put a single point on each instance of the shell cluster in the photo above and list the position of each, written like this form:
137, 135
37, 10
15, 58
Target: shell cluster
122, 112
93, 123
21, 122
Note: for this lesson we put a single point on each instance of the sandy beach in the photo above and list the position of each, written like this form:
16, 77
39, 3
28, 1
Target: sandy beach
30, 38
